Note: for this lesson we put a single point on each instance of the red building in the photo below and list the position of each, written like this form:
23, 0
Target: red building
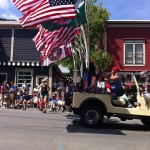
128, 42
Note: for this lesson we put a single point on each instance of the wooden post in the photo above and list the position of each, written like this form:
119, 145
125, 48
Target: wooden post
50, 81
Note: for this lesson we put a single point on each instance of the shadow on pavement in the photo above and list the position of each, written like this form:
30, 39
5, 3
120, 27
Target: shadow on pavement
110, 126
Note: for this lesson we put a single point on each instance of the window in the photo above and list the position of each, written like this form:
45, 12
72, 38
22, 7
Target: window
25, 75
134, 52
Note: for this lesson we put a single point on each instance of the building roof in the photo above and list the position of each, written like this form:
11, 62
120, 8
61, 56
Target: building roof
10, 24
16, 24
128, 23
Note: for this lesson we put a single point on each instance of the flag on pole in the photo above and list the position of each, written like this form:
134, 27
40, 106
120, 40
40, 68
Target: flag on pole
48, 10
59, 54
60, 37
81, 18
53, 40
41, 37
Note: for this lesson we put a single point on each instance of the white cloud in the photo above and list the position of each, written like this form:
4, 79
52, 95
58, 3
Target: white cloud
4, 4
8, 10
9, 16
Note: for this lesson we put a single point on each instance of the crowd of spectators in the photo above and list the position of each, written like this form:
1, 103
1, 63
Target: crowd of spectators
12, 96
93, 81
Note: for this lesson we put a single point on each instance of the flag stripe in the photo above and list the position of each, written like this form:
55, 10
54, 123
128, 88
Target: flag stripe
25, 5
42, 37
32, 22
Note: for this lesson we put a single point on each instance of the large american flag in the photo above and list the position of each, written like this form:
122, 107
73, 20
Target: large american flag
40, 11
53, 40
62, 37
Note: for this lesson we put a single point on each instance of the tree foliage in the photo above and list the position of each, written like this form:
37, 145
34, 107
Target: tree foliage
97, 24
97, 17
101, 59
67, 62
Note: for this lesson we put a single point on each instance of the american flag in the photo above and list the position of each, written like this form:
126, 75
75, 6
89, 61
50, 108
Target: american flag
62, 37
47, 10
58, 37
43, 37
39, 39
53, 40
39, 43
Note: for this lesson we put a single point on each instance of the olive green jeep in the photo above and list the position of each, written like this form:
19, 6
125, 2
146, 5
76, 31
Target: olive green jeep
93, 107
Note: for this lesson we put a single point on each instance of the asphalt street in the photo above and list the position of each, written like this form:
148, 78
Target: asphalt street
33, 130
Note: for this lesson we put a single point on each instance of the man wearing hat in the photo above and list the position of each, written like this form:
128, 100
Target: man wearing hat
115, 82
116, 87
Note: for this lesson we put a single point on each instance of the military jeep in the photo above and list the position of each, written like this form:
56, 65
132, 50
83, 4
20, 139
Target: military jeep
93, 107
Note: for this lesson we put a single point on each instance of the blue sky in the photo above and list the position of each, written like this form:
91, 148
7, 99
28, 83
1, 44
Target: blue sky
119, 9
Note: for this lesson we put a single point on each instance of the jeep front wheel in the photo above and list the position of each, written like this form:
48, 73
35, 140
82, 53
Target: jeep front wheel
91, 116
146, 122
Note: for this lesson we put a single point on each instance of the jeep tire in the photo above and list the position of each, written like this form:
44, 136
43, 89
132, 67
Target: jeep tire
91, 116
146, 122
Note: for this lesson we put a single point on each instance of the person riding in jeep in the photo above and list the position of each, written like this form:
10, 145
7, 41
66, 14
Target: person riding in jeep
116, 87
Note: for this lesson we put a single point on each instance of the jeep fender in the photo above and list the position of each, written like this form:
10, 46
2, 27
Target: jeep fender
93, 101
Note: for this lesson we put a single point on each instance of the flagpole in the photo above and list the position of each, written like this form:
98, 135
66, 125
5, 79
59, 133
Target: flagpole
81, 64
81, 50
88, 40
86, 47
81, 69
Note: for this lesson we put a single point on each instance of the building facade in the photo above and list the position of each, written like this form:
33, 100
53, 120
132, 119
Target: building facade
19, 59
128, 42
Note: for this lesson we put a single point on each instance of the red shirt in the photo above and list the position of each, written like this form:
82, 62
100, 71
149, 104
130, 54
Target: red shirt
108, 86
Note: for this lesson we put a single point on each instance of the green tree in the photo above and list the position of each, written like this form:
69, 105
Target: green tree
101, 59
97, 17
67, 62
97, 24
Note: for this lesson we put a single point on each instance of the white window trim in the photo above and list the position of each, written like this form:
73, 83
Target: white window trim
144, 61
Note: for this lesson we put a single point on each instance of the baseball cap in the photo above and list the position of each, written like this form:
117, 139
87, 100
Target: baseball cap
116, 68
